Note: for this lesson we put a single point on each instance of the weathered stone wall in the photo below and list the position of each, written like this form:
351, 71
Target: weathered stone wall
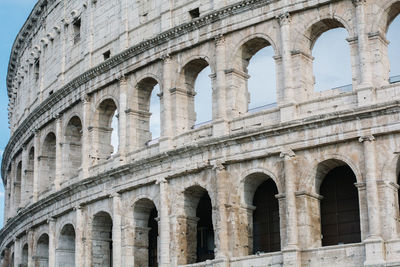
72, 202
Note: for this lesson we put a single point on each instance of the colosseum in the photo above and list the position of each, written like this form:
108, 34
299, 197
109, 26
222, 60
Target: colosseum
252, 187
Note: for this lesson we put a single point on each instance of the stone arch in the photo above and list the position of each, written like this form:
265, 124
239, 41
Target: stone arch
387, 14
264, 172
196, 227
25, 255
314, 175
72, 147
144, 90
263, 213
17, 185
184, 95
243, 53
42, 251
65, 251
146, 233
107, 109
48, 163
29, 174
102, 239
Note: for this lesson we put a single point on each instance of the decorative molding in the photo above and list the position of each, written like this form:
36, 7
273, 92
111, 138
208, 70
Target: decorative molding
369, 138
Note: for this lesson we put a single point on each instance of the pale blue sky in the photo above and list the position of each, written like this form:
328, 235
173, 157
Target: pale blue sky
332, 69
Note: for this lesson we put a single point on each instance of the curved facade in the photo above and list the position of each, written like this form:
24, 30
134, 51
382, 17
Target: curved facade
310, 181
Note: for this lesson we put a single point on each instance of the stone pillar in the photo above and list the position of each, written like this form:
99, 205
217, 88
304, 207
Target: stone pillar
25, 188
17, 252
86, 145
373, 244
164, 231
220, 125
363, 53
30, 248
288, 108
123, 90
80, 237
291, 254
221, 220
52, 242
59, 155
36, 166
116, 230
166, 104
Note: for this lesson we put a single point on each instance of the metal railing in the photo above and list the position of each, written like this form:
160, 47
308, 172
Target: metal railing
394, 79
264, 107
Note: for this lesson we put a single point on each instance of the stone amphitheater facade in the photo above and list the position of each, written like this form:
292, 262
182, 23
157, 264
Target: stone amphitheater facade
310, 182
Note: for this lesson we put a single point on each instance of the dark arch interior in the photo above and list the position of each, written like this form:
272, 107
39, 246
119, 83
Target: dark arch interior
266, 228
340, 215
73, 146
107, 109
65, 253
153, 238
48, 161
102, 240
24, 258
42, 251
205, 231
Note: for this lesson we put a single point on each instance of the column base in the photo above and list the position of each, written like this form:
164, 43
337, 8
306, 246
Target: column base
220, 128
288, 112
365, 95
165, 144
291, 256
374, 252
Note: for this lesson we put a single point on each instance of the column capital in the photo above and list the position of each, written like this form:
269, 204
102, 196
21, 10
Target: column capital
161, 181
122, 79
364, 138
115, 195
85, 98
358, 2
284, 18
219, 40
57, 116
287, 153
78, 207
165, 57
51, 220
218, 165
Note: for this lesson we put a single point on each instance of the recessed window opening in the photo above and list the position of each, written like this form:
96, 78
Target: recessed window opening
36, 69
262, 81
205, 230
393, 50
107, 54
194, 13
114, 134
332, 61
155, 120
203, 99
340, 215
77, 30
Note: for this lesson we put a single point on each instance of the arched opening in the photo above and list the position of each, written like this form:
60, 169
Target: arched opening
29, 172
146, 233
263, 219
42, 251
65, 251
194, 100
12, 262
393, 37
340, 215
266, 229
196, 227
25, 255
72, 147
331, 67
258, 84
102, 244
106, 139
203, 101
17, 186
48, 163
148, 117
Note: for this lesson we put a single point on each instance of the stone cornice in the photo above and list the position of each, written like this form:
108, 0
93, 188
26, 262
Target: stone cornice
116, 60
